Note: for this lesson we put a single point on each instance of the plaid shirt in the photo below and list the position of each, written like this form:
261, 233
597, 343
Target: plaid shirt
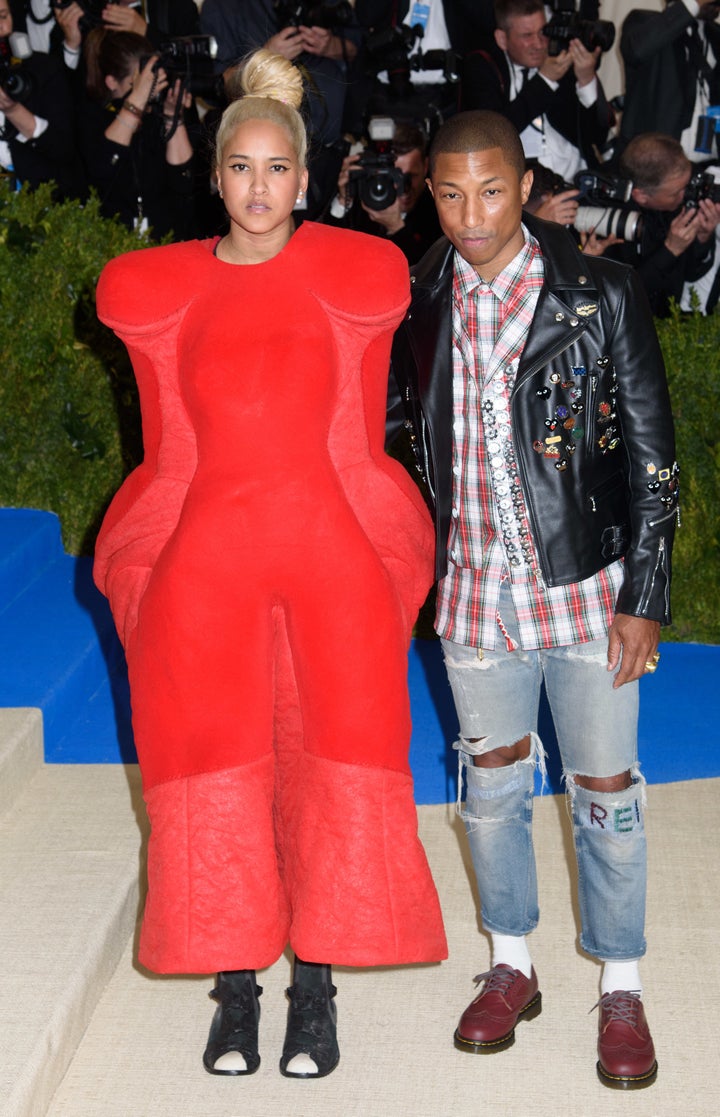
490, 539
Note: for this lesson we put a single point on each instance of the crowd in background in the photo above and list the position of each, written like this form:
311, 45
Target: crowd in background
123, 98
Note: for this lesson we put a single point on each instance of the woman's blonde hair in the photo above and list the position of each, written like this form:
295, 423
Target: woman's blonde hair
269, 87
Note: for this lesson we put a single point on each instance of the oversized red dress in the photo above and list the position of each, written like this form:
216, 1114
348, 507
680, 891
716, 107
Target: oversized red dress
265, 564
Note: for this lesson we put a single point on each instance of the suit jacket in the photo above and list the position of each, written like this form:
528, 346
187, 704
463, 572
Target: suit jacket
660, 80
486, 85
616, 494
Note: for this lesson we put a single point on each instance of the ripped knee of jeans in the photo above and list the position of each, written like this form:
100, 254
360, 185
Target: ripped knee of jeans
491, 783
609, 812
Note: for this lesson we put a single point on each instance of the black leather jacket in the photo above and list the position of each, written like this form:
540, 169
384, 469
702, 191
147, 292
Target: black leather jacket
613, 490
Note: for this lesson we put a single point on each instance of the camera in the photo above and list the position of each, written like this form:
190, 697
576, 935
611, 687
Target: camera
376, 181
566, 24
192, 59
297, 13
595, 213
703, 184
15, 81
92, 11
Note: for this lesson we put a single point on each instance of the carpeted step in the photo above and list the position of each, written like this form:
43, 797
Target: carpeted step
69, 857
21, 752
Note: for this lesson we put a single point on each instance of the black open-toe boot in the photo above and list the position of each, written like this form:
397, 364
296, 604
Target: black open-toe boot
311, 1048
232, 1046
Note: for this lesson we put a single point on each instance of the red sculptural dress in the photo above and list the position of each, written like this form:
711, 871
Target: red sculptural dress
265, 565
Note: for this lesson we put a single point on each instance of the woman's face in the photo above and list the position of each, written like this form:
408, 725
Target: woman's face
260, 177
120, 87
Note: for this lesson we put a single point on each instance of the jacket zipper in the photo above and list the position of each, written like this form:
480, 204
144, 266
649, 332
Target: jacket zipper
658, 563
668, 516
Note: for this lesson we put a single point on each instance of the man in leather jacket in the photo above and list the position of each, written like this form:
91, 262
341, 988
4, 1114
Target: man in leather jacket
531, 382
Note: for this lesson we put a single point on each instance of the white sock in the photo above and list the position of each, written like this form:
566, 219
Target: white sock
511, 950
621, 975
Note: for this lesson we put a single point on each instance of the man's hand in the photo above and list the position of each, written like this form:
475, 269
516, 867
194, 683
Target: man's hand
635, 640
556, 66
593, 245
584, 62
708, 219
68, 19
287, 42
119, 18
561, 207
389, 218
682, 232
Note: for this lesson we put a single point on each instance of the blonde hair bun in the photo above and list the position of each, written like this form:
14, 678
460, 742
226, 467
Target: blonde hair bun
267, 74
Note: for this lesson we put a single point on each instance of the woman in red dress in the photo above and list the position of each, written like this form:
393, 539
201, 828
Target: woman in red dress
265, 565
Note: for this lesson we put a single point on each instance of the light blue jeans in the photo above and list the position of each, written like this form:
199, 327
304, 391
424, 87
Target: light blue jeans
497, 696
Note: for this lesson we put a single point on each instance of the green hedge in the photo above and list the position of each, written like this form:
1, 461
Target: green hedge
69, 422
691, 347
66, 386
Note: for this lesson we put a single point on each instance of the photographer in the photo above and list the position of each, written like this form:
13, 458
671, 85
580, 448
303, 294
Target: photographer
407, 215
156, 20
134, 140
37, 133
555, 100
678, 242
326, 54
413, 51
671, 72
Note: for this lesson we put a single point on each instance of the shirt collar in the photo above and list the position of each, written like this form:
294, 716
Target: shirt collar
525, 262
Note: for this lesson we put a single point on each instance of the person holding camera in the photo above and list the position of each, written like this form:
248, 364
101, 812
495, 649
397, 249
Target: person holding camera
388, 197
37, 122
671, 74
265, 565
555, 100
677, 242
412, 55
134, 141
156, 20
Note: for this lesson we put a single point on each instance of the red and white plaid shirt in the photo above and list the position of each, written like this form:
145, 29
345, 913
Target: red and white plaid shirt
490, 539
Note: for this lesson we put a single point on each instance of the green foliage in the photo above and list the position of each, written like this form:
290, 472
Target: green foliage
691, 346
69, 421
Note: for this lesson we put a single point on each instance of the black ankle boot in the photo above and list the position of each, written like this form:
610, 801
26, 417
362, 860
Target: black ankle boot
312, 1021
235, 1023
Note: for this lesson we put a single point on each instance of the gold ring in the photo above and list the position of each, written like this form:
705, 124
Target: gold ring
651, 664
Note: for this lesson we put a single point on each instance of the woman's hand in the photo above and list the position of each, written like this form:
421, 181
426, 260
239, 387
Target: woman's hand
149, 82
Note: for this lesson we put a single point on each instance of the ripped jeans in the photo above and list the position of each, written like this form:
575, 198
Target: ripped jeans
496, 697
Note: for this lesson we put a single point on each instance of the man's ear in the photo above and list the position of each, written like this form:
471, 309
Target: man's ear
500, 38
526, 185
640, 196
428, 182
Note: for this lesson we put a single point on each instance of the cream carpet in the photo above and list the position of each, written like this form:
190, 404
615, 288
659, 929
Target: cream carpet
141, 1053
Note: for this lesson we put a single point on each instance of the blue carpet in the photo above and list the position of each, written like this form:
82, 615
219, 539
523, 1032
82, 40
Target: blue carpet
58, 651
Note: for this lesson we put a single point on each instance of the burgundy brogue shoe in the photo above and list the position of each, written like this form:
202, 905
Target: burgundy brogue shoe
488, 1023
627, 1055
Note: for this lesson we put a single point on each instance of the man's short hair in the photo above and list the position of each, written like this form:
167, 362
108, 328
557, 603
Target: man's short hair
649, 158
505, 10
478, 130
409, 137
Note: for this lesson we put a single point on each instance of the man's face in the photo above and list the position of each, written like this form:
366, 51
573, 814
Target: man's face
414, 165
479, 199
6, 23
668, 196
524, 41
